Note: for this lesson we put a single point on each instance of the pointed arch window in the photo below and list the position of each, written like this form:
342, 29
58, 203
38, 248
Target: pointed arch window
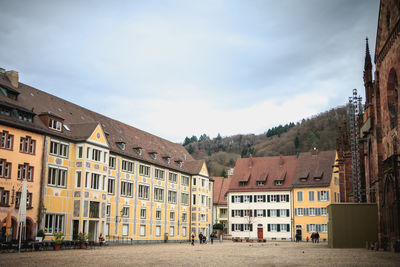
393, 98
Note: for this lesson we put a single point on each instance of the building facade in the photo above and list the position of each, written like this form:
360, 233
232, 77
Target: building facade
259, 198
315, 187
220, 207
96, 175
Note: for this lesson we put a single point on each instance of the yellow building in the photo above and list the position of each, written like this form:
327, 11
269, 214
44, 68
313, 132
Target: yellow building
99, 175
20, 158
315, 186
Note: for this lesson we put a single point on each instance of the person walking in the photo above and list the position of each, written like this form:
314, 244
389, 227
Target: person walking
201, 238
317, 237
212, 237
192, 239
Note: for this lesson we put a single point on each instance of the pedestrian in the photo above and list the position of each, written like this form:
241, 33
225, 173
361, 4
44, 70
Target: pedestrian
307, 238
192, 239
201, 238
317, 237
212, 237
204, 239
101, 239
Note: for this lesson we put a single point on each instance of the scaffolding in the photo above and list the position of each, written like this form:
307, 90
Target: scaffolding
354, 112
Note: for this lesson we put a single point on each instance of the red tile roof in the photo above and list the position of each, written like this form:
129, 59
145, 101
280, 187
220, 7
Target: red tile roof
267, 169
221, 186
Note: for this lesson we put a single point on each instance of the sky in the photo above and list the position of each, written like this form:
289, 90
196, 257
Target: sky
183, 68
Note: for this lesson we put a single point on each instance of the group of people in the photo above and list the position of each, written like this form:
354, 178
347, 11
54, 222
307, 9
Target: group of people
315, 237
203, 238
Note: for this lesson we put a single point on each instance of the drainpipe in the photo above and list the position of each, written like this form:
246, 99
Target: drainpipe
41, 207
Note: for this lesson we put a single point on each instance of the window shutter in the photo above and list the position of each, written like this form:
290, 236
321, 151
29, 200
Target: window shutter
327, 194
278, 213
241, 199
268, 213
287, 198
318, 211
251, 198
305, 211
263, 213
251, 213
308, 228
241, 227
233, 227
278, 227
264, 198
278, 198
233, 199
251, 228
288, 227
269, 228
287, 213
241, 213
295, 211
318, 228
233, 213
255, 213
319, 196
268, 198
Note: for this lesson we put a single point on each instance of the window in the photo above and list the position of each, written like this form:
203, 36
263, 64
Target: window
4, 196
105, 157
242, 184
203, 182
312, 211
237, 199
194, 181
158, 230
247, 213
311, 228
260, 183
144, 170
111, 162
111, 185
273, 227
143, 191
54, 223
142, 230
247, 227
25, 172
126, 189
260, 198
273, 213
143, 213
158, 194
311, 196
96, 154
324, 228
28, 200
171, 230
108, 210
125, 211
95, 181
323, 195
6, 140
27, 145
203, 201
78, 179
193, 217
237, 213
284, 227
103, 183
159, 174
59, 149
125, 229
185, 198
127, 166
274, 198
172, 215
194, 199
5, 111
5, 169
299, 196
185, 180
183, 231
55, 125
222, 212
300, 212
107, 229
57, 177
171, 197
324, 212
94, 210
88, 152
172, 177
184, 217
278, 182
23, 116
158, 214
79, 154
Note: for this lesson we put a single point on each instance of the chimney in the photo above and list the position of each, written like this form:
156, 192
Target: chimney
314, 152
250, 161
12, 76
281, 161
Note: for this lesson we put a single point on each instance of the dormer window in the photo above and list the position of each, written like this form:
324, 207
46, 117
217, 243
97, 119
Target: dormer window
153, 155
138, 150
242, 184
167, 159
55, 124
260, 183
278, 182
121, 145
10, 93
303, 179
179, 163
5, 111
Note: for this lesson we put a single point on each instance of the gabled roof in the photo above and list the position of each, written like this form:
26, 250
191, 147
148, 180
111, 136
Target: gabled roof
268, 169
81, 120
221, 186
318, 167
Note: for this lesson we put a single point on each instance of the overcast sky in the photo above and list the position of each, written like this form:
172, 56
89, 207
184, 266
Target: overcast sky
182, 68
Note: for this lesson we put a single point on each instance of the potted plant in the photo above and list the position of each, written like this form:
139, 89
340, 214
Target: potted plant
58, 240
83, 237
41, 234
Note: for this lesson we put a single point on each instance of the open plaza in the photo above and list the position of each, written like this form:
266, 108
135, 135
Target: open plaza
226, 253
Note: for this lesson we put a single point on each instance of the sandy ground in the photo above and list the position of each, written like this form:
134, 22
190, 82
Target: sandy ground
218, 254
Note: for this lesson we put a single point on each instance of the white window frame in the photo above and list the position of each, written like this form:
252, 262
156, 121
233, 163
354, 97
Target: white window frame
143, 191
144, 170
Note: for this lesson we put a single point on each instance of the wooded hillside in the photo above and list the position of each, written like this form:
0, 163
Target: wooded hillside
220, 153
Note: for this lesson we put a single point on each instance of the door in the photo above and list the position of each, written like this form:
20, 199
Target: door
298, 234
92, 230
75, 229
260, 233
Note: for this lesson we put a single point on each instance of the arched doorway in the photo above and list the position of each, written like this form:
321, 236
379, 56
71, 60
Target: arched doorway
30, 226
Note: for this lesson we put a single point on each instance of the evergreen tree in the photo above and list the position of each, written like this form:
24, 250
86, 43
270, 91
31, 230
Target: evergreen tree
187, 141
190, 149
297, 142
